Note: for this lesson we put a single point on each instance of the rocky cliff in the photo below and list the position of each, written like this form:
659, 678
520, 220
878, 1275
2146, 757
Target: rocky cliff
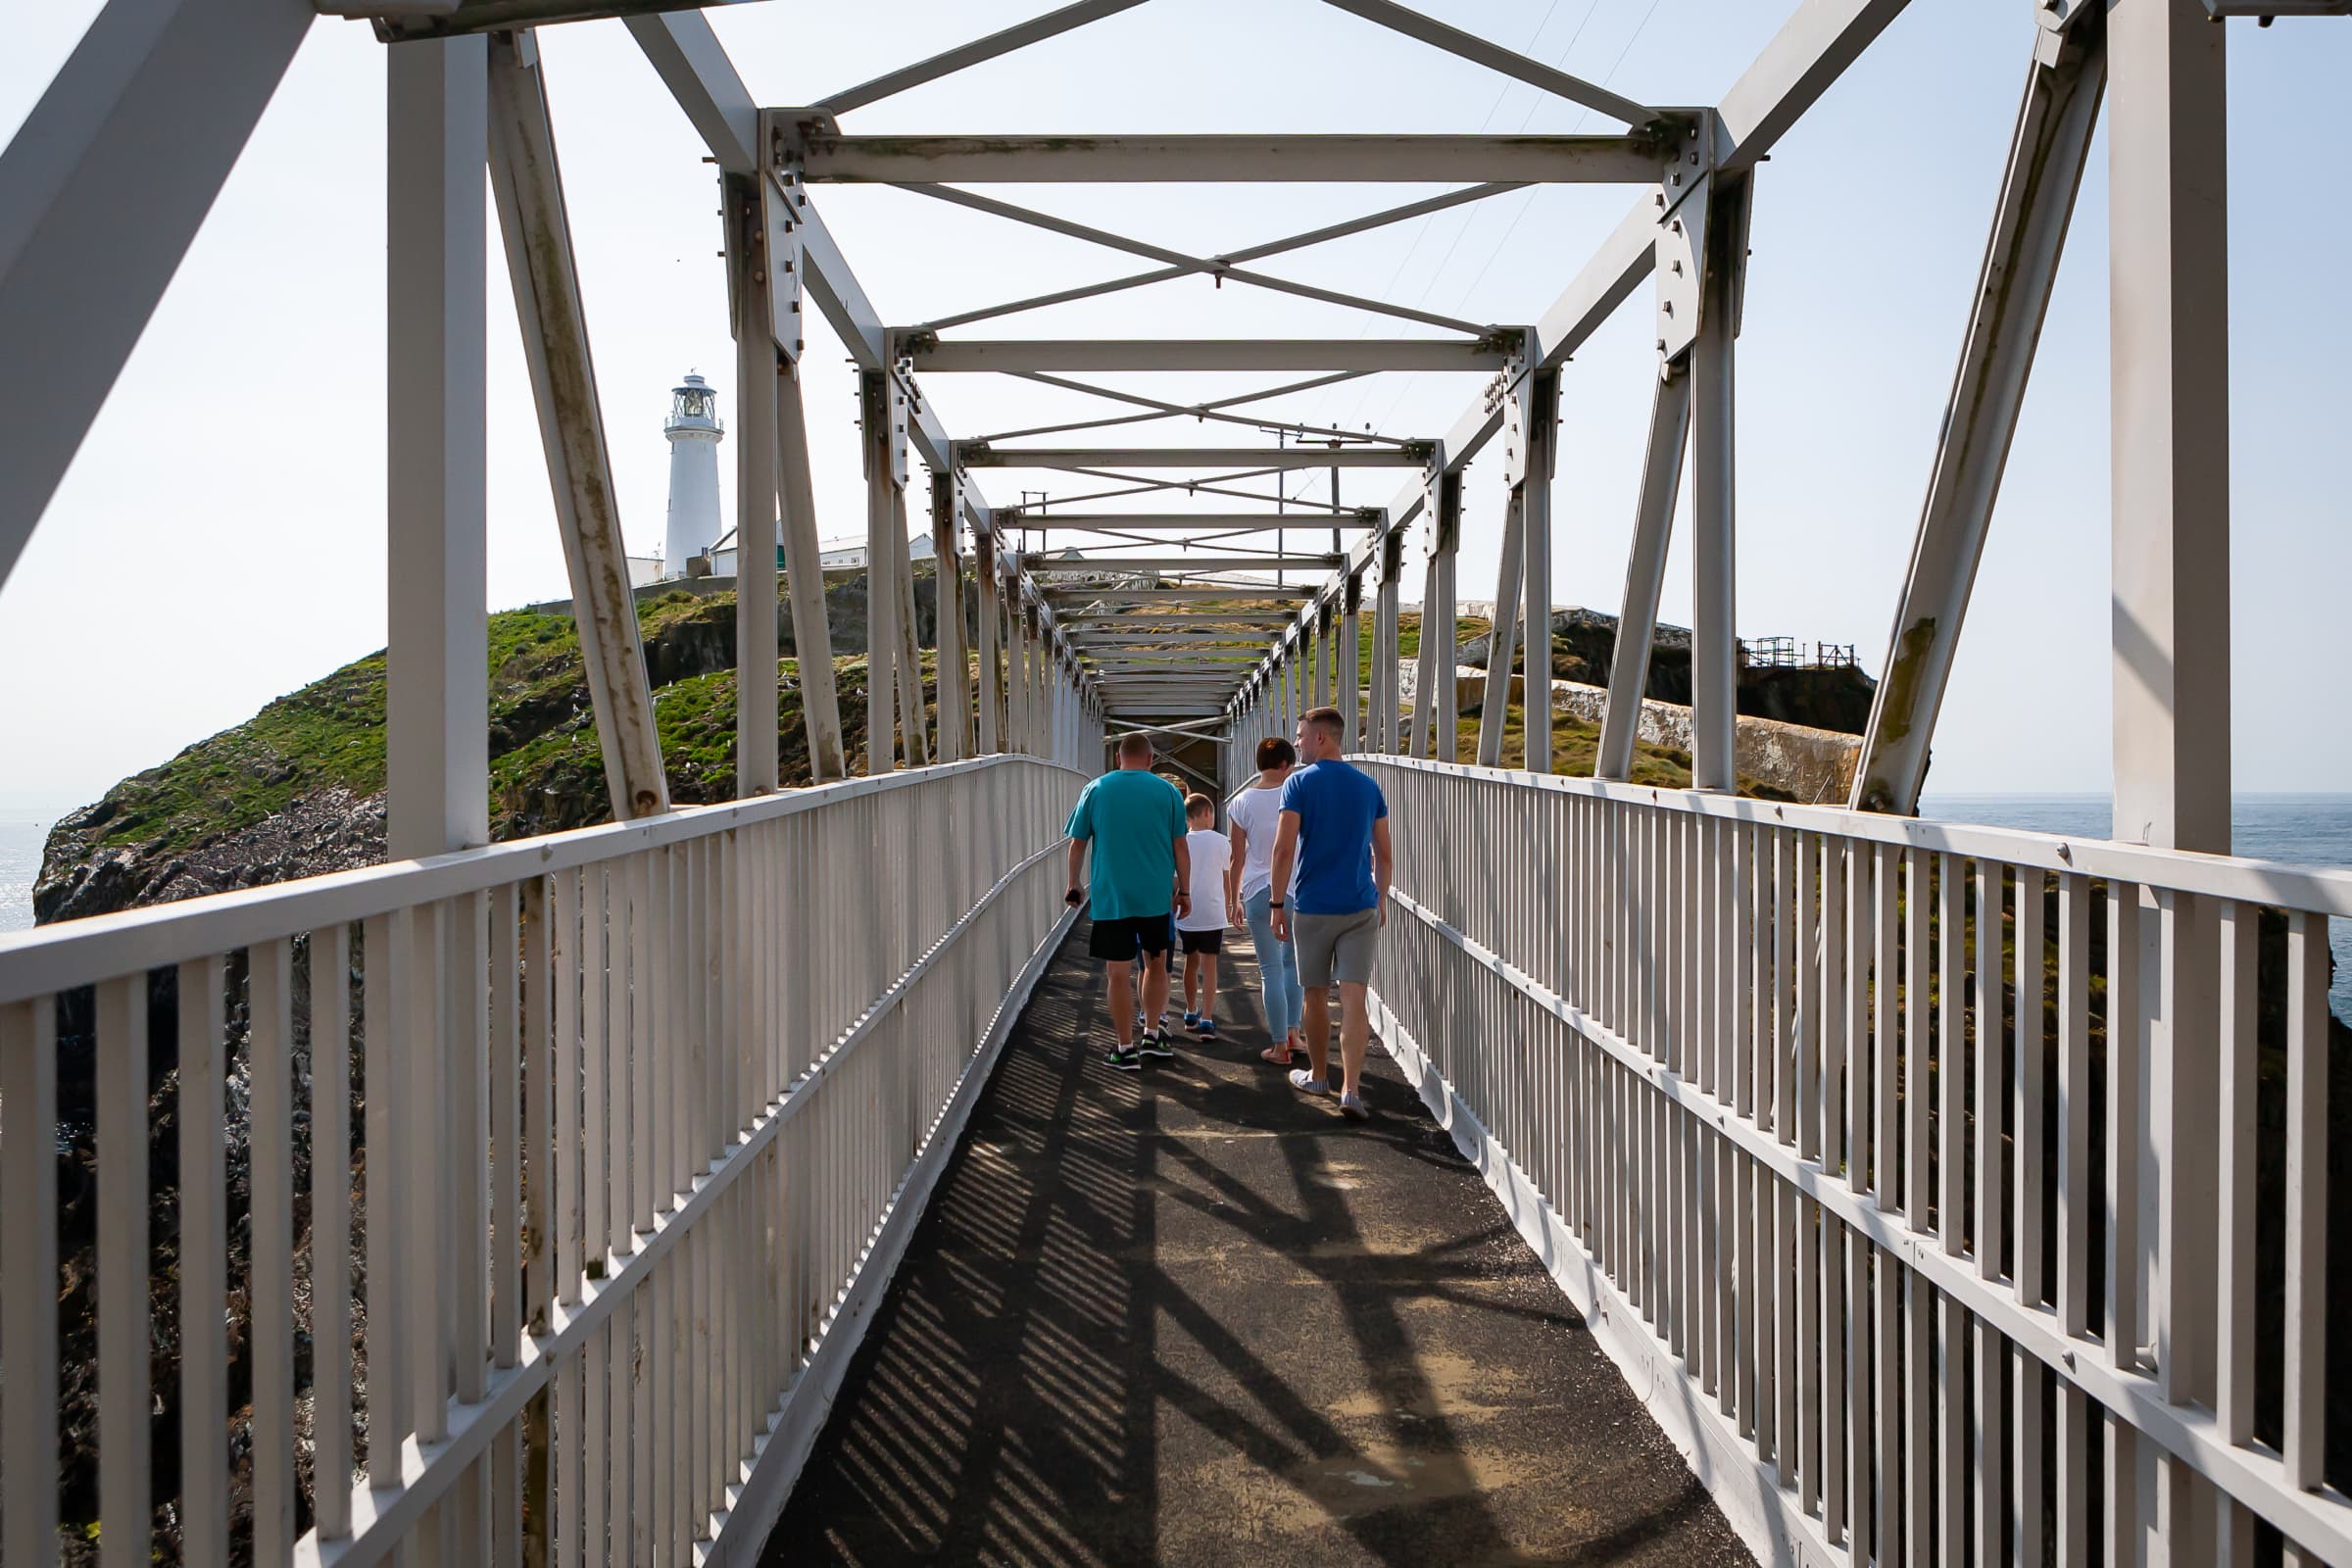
298, 788
1584, 643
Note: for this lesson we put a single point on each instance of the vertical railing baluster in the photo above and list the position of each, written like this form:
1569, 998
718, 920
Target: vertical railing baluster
270, 1043
203, 1441
125, 1516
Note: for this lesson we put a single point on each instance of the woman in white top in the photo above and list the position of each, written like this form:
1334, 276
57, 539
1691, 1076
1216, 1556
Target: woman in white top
1254, 816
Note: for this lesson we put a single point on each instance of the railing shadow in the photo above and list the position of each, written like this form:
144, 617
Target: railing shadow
1177, 1316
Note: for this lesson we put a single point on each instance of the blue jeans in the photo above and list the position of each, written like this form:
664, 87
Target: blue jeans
1277, 966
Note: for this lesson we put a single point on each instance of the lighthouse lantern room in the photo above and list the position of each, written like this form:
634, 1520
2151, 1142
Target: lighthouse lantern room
694, 433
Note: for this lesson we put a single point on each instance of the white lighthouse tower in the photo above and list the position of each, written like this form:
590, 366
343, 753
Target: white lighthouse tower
694, 433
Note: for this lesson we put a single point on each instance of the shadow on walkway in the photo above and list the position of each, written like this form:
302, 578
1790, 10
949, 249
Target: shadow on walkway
1187, 1317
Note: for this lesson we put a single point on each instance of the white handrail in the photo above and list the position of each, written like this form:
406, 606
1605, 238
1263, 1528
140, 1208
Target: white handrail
647, 1107
1796, 1129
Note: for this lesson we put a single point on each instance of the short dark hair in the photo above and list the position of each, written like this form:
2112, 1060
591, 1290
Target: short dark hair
1327, 720
1275, 752
1135, 743
1199, 805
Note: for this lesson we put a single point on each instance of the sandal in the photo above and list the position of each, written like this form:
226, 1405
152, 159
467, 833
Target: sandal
1276, 1055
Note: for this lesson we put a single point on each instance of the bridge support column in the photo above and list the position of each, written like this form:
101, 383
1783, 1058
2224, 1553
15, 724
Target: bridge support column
1386, 709
438, 690
757, 769
985, 616
1721, 254
1347, 660
2169, 290
1437, 716
885, 478
1503, 636
954, 680
1530, 426
914, 729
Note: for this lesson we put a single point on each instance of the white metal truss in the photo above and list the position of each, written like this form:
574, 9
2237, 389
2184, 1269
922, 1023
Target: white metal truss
102, 192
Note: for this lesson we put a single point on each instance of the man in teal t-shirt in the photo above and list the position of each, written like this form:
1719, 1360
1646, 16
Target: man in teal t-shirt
1136, 823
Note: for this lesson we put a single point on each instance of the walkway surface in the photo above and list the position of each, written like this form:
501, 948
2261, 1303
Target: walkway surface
1186, 1317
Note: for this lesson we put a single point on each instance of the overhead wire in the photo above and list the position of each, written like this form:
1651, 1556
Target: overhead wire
1421, 230
1529, 199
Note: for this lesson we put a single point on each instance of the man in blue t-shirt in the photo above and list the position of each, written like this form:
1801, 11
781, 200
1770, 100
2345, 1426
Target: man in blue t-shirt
1335, 828
1136, 823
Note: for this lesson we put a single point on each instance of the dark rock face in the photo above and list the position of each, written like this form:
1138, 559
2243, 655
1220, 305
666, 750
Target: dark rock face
1584, 643
333, 830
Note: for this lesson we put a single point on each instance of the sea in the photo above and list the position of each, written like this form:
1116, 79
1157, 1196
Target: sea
2301, 829
2306, 829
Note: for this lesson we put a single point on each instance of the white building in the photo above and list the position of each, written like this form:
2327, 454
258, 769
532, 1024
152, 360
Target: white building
846, 552
694, 433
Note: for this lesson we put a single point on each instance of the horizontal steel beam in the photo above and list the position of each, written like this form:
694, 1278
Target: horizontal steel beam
1182, 522
1059, 566
1082, 623
1258, 459
1191, 593
933, 353
1387, 160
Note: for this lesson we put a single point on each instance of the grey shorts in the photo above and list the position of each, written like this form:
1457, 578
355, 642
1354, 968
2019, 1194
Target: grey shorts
1336, 949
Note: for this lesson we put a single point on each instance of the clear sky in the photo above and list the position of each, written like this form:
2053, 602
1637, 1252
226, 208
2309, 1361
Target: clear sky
219, 539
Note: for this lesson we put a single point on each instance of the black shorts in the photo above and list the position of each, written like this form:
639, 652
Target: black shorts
1117, 939
1203, 941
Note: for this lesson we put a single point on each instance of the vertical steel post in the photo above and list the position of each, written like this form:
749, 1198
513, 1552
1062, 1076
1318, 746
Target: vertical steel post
529, 186
1714, 635
947, 566
1646, 570
1346, 657
913, 727
437, 680
882, 481
2169, 291
757, 767
1537, 398
1438, 714
1386, 711
988, 610
1493, 712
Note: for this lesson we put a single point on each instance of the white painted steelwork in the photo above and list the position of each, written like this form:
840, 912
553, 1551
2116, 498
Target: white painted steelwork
1728, 1065
650, 1110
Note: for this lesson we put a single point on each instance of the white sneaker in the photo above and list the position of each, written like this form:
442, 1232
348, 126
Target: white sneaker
1307, 1082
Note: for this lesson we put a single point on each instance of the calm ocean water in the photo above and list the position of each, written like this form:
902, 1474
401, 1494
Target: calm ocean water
2305, 829
2310, 829
20, 868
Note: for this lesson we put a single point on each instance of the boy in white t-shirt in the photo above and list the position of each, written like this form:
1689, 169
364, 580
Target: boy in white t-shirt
1201, 930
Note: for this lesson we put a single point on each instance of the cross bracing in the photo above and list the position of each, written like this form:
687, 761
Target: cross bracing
1214, 604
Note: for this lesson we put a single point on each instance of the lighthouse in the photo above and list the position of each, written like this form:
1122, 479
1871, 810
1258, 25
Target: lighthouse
694, 434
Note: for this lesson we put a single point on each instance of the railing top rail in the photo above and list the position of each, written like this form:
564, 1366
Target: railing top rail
2315, 888
104, 946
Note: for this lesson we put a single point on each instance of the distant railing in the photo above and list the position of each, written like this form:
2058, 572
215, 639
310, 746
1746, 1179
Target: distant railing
636, 1117
1813, 1116
1787, 652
